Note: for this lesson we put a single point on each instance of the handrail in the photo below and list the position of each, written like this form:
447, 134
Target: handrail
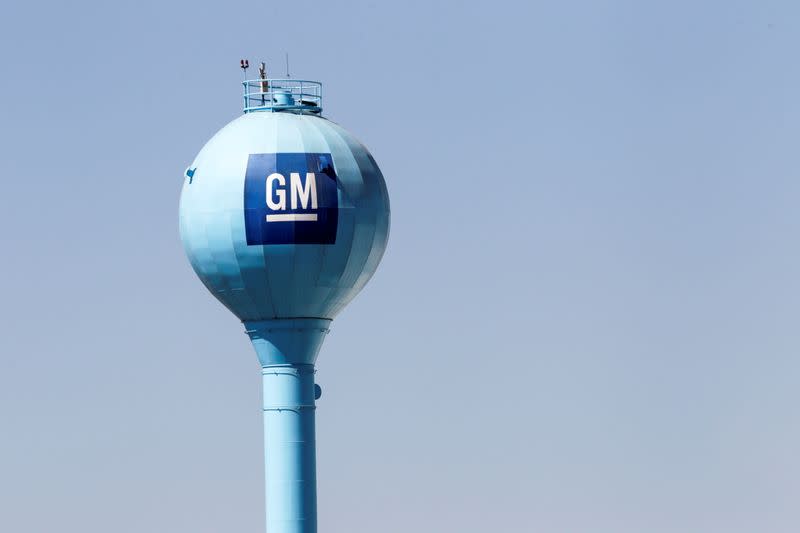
282, 94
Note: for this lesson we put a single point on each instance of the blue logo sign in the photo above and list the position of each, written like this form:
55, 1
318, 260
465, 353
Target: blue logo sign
290, 199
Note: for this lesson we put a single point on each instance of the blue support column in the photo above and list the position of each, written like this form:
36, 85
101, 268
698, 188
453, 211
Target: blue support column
287, 349
290, 449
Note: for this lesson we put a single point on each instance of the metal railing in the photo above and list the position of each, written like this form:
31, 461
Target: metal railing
299, 96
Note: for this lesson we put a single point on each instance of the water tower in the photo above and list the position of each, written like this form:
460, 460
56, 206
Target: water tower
284, 216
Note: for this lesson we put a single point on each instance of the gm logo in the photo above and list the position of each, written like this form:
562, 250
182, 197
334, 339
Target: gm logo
290, 199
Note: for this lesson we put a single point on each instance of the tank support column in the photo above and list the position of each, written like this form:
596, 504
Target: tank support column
287, 350
289, 449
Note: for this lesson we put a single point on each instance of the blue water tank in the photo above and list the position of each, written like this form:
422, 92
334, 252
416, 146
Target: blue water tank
284, 215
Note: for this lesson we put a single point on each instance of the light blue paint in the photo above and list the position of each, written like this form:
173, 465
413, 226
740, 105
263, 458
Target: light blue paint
286, 294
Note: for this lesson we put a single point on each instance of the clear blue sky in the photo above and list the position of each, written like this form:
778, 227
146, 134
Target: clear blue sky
586, 320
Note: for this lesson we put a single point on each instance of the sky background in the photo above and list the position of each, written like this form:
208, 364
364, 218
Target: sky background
586, 320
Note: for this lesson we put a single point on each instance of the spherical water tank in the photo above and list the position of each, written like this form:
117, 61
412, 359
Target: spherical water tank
284, 215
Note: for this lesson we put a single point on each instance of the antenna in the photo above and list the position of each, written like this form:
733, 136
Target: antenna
287, 65
262, 73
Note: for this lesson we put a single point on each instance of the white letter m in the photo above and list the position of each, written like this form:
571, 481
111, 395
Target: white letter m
305, 192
